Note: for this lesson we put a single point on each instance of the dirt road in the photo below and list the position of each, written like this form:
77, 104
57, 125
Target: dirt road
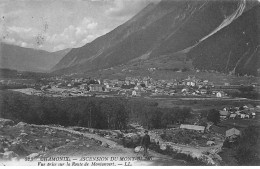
79, 150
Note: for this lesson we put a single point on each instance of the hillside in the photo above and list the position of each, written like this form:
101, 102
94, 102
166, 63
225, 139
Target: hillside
177, 29
236, 47
27, 59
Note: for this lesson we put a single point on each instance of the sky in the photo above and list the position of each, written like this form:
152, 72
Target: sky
54, 25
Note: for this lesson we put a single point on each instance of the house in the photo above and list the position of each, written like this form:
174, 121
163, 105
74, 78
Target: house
108, 85
253, 115
133, 93
203, 91
226, 84
138, 88
257, 109
65, 93
45, 87
233, 133
224, 114
185, 90
238, 113
158, 90
83, 86
146, 82
250, 106
95, 88
59, 85
200, 86
127, 82
233, 116
205, 81
193, 127
136, 93
210, 143
242, 116
190, 83
220, 94
246, 111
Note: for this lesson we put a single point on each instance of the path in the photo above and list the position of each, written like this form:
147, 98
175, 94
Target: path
157, 159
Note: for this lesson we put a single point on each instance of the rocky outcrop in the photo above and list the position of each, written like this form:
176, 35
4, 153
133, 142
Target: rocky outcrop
9, 155
33, 155
21, 125
5, 122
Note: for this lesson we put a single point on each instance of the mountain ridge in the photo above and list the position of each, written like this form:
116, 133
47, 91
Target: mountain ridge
160, 29
28, 59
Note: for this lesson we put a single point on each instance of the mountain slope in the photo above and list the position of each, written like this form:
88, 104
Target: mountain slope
167, 28
27, 59
236, 47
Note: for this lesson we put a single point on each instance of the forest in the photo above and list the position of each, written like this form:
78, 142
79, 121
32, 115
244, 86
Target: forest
101, 113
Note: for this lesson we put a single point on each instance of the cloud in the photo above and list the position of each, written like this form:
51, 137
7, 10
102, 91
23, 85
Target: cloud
126, 8
12, 15
71, 36
123, 8
74, 33
98, 0
88, 24
13, 41
24, 33
70, 23
9, 40
74, 36
24, 44
89, 38
2, 6
59, 47
14, 29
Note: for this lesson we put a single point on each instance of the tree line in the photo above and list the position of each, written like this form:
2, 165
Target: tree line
80, 111
101, 113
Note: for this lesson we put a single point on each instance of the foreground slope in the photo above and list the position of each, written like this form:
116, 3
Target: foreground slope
24, 140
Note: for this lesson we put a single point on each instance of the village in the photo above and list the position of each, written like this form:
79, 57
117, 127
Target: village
243, 112
190, 87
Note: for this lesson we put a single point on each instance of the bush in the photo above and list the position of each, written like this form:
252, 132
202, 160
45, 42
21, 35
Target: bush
226, 144
189, 159
167, 151
246, 153
185, 69
214, 116
175, 69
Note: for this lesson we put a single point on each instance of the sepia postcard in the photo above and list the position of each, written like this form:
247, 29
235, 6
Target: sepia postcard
129, 83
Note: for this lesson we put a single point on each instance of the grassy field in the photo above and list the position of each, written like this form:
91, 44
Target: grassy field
198, 105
